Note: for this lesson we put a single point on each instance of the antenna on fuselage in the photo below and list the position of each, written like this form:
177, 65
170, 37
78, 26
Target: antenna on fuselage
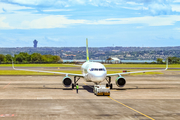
87, 53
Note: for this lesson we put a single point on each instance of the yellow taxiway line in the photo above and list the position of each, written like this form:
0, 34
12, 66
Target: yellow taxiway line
131, 108
128, 107
84, 83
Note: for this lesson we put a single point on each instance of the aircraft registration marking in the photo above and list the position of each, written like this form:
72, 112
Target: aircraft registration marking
132, 108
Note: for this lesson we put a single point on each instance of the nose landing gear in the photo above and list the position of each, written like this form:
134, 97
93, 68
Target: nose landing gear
108, 79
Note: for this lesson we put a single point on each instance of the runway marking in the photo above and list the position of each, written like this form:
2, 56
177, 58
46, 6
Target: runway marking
7, 115
6, 85
84, 83
115, 90
131, 108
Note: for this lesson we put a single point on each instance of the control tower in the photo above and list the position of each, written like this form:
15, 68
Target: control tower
35, 43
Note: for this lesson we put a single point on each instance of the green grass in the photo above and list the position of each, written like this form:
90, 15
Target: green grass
38, 65
142, 65
110, 65
17, 72
147, 73
106, 65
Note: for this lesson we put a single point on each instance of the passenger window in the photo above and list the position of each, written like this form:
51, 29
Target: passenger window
96, 69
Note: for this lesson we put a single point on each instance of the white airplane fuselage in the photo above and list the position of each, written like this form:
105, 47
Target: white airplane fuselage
94, 72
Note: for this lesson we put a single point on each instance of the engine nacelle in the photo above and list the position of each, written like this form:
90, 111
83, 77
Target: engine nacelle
67, 81
120, 81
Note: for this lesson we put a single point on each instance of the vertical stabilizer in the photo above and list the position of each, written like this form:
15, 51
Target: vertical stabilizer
87, 53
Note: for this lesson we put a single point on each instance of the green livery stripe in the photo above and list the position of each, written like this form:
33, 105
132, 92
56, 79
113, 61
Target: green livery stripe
87, 54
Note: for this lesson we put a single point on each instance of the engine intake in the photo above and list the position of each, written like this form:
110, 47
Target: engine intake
67, 81
120, 81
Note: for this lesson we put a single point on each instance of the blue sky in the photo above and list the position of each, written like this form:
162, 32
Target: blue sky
67, 23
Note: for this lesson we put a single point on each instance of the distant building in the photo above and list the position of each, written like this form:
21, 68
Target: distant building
35, 43
113, 60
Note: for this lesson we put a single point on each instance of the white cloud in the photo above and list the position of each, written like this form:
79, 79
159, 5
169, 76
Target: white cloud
60, 21
134, 3
176, 8
53, 21
32, 2
176, 1
56, 10
4, 25
11, 7
28, 20
133, 8
159, 8
152, 7
67, 2
148, 20
55, 39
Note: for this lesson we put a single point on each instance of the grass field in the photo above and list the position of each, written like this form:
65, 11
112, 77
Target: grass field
39, 65
106, 65
17, 72
142, 65
109, 71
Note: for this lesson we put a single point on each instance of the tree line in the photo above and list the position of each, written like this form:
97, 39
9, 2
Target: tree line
26, 58
171, 60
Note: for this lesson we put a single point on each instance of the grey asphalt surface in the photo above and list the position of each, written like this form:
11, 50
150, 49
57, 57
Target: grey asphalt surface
45, 98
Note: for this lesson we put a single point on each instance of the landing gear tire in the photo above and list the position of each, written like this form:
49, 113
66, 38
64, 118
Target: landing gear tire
107, 85
111, 86
72, 86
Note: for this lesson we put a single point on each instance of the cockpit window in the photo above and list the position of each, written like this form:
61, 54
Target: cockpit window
101, 69
97, 69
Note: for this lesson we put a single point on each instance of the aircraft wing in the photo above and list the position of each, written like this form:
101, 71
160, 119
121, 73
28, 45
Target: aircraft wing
62, 73
119, 74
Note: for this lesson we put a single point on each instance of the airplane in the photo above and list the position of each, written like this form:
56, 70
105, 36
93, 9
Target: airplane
93, 72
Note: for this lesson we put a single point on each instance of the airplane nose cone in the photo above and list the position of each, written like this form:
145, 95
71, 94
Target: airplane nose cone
98, 76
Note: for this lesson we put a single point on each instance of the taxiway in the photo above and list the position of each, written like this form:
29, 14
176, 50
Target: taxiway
147, 97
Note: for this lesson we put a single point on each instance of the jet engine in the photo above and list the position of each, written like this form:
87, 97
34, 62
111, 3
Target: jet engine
67, 81
120, 81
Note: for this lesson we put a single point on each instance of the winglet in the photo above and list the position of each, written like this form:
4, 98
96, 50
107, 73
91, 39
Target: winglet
87, 53
12, 64
166, 64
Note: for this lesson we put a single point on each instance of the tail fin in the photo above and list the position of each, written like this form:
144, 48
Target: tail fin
87, 53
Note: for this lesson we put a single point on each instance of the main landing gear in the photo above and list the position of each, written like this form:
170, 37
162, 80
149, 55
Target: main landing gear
109, 84
75, 81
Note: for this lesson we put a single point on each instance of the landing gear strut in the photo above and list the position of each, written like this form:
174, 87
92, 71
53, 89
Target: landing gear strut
75, 81
108, 79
